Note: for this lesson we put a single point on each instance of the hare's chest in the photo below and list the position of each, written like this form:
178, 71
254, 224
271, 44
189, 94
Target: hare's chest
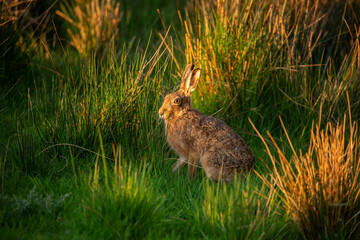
180, 139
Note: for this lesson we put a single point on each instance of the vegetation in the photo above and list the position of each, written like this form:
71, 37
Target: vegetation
84, 155
319, 189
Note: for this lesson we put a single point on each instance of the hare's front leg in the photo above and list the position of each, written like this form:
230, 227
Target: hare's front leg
179, 163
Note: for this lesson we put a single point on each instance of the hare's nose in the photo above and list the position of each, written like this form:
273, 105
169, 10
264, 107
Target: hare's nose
161, 113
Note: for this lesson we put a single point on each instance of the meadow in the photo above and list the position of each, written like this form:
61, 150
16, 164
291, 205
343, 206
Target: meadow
83, 153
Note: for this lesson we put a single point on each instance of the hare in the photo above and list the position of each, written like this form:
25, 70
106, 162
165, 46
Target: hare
196, 137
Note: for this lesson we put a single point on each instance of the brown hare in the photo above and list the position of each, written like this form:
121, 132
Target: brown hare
196, 137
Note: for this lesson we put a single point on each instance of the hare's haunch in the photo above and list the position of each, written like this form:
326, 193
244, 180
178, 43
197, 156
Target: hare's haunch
196, 137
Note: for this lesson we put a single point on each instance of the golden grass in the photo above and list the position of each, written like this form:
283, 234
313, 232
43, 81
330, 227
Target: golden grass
320, 188
13, 10
235, 41
94, 24
26, 22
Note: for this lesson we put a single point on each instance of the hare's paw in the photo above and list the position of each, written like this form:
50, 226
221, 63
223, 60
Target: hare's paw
180, 163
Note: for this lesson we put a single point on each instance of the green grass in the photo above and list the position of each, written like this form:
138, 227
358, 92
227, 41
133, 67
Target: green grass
84, 154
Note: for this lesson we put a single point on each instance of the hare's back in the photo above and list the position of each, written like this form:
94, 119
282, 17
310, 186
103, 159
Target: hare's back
224, 145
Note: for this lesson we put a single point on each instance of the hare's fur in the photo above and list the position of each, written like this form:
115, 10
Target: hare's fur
196, 137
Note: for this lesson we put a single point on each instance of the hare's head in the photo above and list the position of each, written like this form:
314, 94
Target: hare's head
175, 104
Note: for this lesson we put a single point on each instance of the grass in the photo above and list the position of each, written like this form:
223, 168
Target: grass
319, 188
224, 38
95, 25
85, 154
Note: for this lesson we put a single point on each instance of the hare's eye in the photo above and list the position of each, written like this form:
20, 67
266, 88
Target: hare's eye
177, 101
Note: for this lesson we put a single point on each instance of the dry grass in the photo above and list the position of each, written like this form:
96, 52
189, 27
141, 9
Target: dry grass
93, 24
244, 44
13, 10
26, 20
320, 189
230, 37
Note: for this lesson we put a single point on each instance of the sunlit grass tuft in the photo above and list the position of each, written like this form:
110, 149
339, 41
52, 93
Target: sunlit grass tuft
94, 25
320, 188
247, 49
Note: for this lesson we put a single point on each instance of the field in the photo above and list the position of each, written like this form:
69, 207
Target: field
83, 152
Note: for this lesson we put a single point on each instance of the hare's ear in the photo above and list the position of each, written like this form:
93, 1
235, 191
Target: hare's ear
191, 81
186, 75
188, 70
